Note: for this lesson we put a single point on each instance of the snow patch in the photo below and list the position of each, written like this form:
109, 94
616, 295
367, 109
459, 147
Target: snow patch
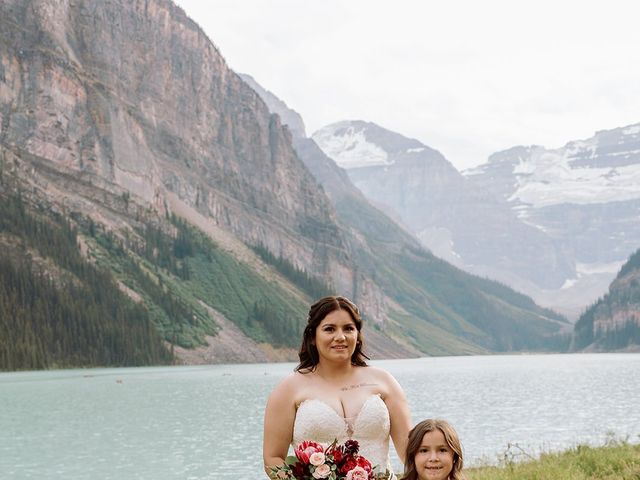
548, 179
474, 171
632, 130
348, 147
415, 150
580, 146
626, 153
524, 167
440, 242
588, 269
598, 267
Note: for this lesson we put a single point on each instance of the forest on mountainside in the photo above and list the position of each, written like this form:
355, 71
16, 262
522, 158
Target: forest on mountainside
613, 322
57, 309
60, 308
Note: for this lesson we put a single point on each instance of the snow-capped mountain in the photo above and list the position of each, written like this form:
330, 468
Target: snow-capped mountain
555, 224
585, 196
347, 144
605, 168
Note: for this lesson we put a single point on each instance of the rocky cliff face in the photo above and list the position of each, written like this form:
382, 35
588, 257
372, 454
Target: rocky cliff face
135, 94
288, 116
113, 109
334, 179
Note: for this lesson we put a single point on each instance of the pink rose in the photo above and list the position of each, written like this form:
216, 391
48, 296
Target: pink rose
306, 449
323, 471
358, 473
316, 458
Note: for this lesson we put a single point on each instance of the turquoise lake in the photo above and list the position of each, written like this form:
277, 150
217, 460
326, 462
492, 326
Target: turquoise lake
206, 422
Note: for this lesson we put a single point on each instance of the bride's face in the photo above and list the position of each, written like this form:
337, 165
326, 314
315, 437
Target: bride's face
336, 336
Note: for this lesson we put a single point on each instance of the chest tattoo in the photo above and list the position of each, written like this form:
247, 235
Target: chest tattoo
358, 385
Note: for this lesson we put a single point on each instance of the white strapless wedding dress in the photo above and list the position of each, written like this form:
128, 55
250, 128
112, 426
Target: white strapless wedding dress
317, 421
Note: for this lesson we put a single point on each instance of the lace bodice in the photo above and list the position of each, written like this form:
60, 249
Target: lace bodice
317, 421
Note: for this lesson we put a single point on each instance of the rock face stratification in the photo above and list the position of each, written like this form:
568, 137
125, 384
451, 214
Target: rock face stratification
135, 94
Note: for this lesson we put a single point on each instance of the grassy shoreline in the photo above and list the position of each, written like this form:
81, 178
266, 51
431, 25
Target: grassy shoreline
617, 460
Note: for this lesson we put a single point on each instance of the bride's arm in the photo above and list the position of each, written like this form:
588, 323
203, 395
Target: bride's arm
399, 414
279, 416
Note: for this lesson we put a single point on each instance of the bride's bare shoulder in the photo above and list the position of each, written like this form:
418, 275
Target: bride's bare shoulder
379, 373
292, 383
385, 381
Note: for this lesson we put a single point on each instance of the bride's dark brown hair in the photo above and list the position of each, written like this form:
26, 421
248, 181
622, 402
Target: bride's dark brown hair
308, 353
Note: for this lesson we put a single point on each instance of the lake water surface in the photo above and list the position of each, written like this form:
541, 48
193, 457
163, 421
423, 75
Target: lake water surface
206, 422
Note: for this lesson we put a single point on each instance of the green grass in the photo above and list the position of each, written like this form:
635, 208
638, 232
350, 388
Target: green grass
617, 460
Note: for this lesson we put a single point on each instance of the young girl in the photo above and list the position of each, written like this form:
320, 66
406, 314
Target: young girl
433, 452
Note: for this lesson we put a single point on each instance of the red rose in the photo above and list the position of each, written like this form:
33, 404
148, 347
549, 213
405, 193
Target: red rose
355, 461
364, 463
337, 456
349, 464
335, 451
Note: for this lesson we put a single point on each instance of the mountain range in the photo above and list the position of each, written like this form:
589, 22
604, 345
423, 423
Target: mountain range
554, 224
124, 132
184, 210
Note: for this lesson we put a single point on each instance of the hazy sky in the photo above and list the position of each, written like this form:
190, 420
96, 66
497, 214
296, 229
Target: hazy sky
465, 77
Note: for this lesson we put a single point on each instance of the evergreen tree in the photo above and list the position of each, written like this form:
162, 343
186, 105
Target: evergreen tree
74, 315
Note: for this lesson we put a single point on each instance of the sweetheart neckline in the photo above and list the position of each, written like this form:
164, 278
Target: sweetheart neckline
370, 427
347, 420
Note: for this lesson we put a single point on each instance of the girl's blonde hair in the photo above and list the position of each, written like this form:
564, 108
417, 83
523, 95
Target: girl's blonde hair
415, 440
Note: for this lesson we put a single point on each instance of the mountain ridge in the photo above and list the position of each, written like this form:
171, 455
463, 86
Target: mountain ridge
505, 219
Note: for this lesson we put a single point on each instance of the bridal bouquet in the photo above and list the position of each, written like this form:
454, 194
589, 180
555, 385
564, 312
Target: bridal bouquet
314, 461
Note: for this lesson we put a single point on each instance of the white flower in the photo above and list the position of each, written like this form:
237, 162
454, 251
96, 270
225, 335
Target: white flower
322, 471
357, 473
316, 459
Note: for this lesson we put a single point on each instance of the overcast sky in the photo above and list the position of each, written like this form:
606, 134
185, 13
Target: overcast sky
465, 77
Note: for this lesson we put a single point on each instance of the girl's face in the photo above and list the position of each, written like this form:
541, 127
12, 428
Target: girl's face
434, 459
336, 336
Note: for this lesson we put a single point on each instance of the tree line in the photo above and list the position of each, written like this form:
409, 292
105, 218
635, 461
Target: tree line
621, 297
72, 314
312, 286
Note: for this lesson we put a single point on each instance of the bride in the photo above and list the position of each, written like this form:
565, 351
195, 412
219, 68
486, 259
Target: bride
334, 394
